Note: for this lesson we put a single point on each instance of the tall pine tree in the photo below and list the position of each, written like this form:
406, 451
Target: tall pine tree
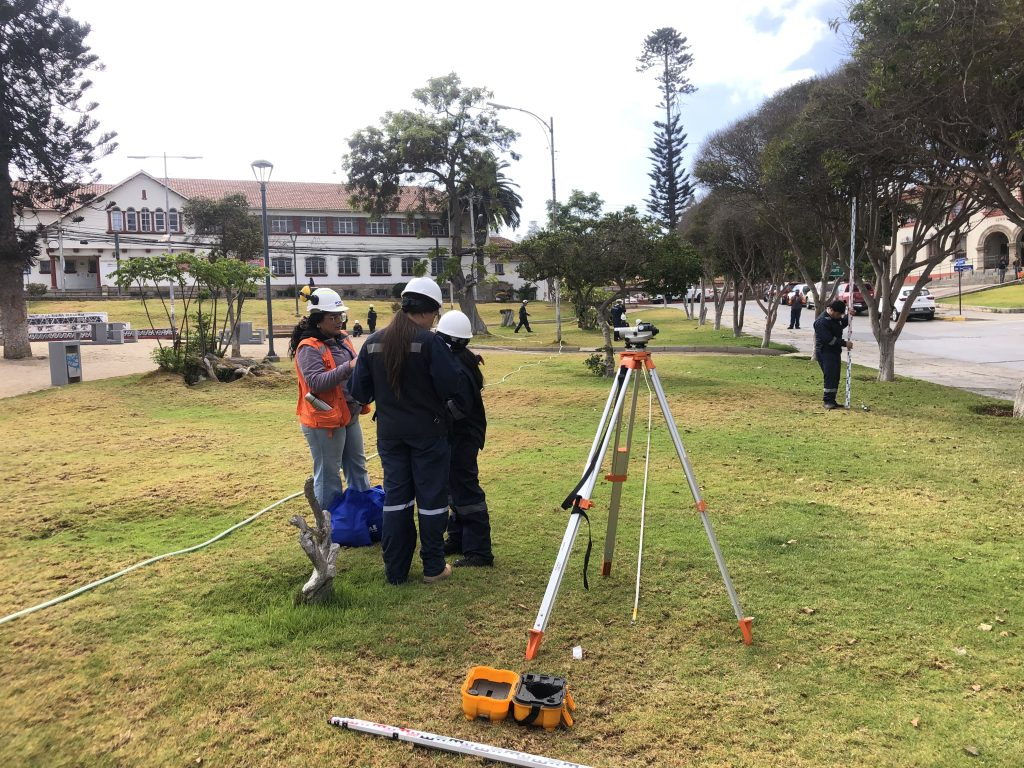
46, 137
671, 190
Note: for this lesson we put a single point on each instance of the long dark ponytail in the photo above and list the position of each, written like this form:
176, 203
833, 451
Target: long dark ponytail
395, 342
307, 327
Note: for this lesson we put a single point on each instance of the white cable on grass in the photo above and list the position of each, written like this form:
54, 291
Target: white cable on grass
150, 561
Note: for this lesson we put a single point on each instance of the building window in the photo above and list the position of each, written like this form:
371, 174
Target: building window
158, 220
280, 225
116, 221
145, 220
437, 265
174, 220
44, 267
70, 267
437, 229
281, 265
93, 266
380, 265
405, 227
131, 221
313, 225
345, 227
377, 227
499, 268
316, 266
409, 265
348, 265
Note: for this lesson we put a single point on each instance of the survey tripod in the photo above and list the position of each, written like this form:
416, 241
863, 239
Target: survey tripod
632, 362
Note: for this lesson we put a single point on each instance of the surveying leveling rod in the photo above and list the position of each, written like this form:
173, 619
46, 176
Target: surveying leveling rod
450, 744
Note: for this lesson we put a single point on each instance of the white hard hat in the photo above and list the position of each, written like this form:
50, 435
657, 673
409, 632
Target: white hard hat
455, 324
424, 286
325, 300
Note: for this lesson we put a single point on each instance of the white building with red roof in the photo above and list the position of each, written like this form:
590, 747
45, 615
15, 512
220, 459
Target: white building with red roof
315, 233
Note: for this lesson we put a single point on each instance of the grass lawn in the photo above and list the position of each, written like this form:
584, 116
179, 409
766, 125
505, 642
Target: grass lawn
1006, 297
878, 550
674, 328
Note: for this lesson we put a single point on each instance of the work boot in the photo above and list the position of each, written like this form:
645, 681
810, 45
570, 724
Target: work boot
832, 406
474, 561
444, 574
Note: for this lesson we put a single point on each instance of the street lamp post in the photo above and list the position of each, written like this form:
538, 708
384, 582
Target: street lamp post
167, 222
295, 270
549, 128
262, 169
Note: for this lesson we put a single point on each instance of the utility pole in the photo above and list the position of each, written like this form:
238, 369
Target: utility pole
167, 223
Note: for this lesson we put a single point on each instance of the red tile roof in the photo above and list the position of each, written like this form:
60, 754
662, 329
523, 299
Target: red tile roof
281, 195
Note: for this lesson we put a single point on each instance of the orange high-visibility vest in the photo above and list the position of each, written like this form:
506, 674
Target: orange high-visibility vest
309, 416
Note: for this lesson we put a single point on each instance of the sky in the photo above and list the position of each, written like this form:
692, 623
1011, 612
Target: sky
290, 82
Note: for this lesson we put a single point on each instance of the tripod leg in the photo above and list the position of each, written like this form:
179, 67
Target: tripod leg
744, 621
617, 476
582, 492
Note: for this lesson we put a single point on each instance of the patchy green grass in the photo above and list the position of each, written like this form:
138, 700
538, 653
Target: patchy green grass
674, 328
871, 546
1005, 297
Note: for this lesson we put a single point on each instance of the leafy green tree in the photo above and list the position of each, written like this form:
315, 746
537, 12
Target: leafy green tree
671, 190
449, 147
227, 229
48, 140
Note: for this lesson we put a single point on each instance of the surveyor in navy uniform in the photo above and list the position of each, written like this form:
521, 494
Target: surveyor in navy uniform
469, 524
829, 346
618, 317
523, 318
416, 383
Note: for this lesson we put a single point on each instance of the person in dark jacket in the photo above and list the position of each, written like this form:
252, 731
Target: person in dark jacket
523, 315
324, 358
469, 525
796, 305
828, 348
371, 319
415, 381
618, 317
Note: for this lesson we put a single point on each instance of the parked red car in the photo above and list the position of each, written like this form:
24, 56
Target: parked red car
859, 304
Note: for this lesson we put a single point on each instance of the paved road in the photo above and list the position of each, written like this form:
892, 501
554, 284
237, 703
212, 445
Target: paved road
982, 354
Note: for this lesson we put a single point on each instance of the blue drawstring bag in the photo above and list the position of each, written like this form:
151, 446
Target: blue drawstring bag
357, 517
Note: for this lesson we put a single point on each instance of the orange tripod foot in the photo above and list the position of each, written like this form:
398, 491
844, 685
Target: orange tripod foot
533, 643
748, 637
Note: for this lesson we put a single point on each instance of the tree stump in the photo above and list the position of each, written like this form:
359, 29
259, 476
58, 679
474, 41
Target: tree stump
235, 368
322, 552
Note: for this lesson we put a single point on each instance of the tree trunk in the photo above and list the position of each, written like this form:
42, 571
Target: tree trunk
468, 306
13, 310
1018, 402
886, 357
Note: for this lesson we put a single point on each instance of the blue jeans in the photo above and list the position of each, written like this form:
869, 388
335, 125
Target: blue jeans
332, 453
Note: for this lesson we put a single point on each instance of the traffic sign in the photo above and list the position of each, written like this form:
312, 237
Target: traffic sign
959, 262
963, 267
836, 271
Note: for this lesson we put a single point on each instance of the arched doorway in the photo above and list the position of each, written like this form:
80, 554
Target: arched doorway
997, 245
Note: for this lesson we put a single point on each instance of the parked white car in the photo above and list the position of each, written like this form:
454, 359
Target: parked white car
923, 306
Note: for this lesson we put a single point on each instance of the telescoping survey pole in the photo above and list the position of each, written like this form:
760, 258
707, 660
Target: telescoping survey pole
450, 744
849, 297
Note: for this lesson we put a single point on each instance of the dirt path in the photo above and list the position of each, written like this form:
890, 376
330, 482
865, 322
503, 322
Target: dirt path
98, 362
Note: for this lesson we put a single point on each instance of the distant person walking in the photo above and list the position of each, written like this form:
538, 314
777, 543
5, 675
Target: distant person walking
1016, 268
796, 305
371, 320
523, 315
828, 348
1001, 266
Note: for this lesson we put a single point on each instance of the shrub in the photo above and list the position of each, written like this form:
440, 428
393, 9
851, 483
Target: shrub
596, 363
37, 289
